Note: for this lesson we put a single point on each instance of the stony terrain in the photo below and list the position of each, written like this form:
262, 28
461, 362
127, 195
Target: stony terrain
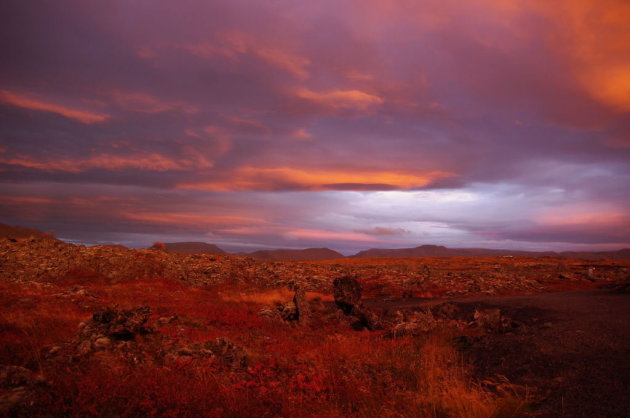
43, 260
112, 331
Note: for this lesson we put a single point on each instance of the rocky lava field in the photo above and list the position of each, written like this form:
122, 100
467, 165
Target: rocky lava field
110, 331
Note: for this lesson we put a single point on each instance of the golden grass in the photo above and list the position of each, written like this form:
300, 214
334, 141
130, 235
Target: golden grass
268, 297
446, 387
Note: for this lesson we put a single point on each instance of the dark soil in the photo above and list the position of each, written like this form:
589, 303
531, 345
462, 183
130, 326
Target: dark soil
570, 351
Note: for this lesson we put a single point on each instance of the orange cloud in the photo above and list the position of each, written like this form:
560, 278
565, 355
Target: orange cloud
341, 99
21, 100
320, 234
253, 178
302, 134
291, 63
26, 199
233, 44
595, 35
148, 162
187, 219
577, 216
300, 233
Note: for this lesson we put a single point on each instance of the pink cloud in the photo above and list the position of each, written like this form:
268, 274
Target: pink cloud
341, 99
149, 162
301, 134
324, 235
191, 219
147, 103
27, 102
234, 44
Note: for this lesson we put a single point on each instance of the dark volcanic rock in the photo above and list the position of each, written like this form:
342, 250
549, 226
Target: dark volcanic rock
301, 306
119, 325
347, 293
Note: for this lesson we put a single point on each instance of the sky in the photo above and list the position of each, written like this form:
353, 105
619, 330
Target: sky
348, 124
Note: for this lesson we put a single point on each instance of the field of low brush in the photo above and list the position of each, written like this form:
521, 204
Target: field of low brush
94, 349
81, 343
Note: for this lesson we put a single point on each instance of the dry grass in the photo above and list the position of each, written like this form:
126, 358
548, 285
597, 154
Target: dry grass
326, 370
268, 296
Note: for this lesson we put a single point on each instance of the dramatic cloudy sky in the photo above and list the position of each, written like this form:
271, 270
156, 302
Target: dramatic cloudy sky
290, 123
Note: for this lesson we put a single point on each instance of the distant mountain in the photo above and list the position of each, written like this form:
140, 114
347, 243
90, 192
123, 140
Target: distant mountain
440, 251
19, 232
188, 248
623, 254
297, 255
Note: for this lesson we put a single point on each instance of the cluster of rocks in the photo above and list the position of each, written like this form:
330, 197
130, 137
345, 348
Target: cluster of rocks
297, 310
132, 335
221, 350
110, 325
45, 260
488, 320
414, 325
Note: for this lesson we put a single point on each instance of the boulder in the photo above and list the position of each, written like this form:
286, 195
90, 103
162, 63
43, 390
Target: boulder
347, 293
119, 325
301, 306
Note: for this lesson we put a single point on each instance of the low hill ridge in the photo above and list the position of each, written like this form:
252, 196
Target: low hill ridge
187, 248
441, 251
297, 255
19, 232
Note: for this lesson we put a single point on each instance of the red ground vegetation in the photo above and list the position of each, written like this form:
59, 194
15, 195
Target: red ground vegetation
326, 369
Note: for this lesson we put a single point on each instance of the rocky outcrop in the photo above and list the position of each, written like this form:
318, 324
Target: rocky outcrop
347, 294
122, 325
302, 307
44, 261
417, 324
296, 310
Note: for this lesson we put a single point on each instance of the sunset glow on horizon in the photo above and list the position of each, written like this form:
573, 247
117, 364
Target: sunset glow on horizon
292, 124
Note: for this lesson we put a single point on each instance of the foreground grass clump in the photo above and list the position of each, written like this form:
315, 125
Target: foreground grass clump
326, 369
